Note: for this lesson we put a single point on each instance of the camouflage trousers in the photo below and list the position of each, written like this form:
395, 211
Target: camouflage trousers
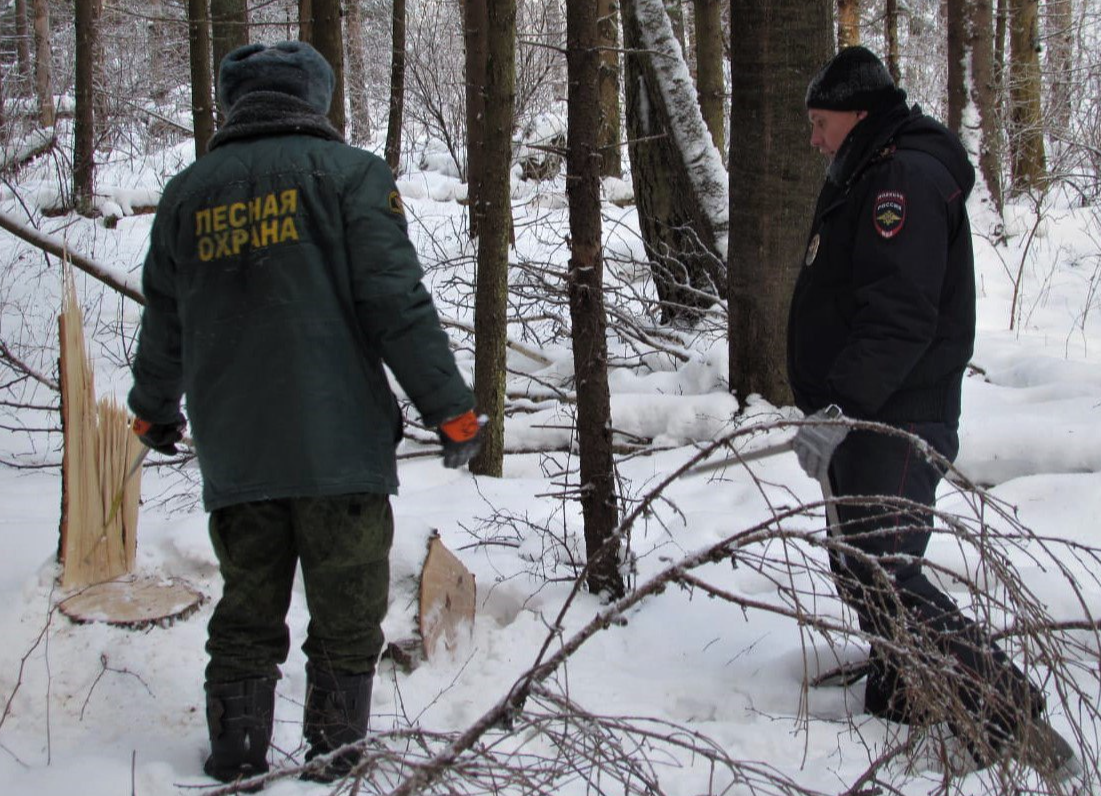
343, 544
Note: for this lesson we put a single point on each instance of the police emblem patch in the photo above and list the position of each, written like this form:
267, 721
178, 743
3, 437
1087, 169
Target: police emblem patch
396, 207
812, 249
889, 213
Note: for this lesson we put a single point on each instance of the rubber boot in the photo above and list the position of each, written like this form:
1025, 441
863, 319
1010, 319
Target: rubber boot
338, 707
239, 717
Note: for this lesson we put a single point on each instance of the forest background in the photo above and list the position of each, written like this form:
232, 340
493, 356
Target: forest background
610, 201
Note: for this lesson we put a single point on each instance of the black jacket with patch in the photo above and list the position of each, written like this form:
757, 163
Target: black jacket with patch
882, 318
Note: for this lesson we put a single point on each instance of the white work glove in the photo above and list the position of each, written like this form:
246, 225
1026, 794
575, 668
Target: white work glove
815, 442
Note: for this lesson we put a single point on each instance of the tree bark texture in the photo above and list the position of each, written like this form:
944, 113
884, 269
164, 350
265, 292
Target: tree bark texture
585, 285
611, 159
709, 69
1060, 64
678, 234
84, 122
228, 29
359, 122
23, 64
43, 72
848, 23
980, 27
305, 20
774, 176
476, 38
958, 56
397, 88
675, 10
1026, 128
494, 234
890, 36
328, 39
202, 79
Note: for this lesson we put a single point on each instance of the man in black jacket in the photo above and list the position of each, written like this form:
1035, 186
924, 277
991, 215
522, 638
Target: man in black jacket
881, 328
279, 280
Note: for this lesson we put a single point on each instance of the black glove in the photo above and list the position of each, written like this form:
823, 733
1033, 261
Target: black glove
461, 438
161, 437
814, 444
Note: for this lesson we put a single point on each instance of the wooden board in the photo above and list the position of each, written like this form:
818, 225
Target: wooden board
447, 599
134, 602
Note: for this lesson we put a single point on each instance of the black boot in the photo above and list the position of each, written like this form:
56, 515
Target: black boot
338, 707
239, 716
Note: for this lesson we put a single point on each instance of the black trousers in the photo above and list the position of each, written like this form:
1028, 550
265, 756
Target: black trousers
896, 603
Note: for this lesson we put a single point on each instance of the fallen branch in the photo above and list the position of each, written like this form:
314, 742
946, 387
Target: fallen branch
59, 248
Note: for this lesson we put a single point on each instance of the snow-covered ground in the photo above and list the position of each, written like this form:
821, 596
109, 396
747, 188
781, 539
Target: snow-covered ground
91, 709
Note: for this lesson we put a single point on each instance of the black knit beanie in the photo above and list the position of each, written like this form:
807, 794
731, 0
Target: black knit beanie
854, 80
288, 67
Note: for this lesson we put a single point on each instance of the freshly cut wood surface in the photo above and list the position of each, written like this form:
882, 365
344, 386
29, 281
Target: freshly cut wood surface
447, 598
134, 602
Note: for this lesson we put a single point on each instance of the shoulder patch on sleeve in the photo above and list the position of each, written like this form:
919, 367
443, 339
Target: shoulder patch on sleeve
889, 213
396, 206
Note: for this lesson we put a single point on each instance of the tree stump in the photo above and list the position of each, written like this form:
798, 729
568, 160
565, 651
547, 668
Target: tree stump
133, 602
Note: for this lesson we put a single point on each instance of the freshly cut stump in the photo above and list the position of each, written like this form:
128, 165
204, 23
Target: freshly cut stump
133, 602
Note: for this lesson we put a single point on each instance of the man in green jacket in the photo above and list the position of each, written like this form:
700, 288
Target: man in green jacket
279, 279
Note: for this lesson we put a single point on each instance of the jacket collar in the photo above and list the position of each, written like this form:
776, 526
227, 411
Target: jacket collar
261, 114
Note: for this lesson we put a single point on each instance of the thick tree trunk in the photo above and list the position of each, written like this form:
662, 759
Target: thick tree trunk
202, 80
709, 69
890, 35
958, 56
84, 173
358, 100
774, 176
494, 234
682, 243
586, 276
675, 10
43, 72
984, 96
476, 39
328, 39
611, 159
228, 29
397, 88
305, 20
1026, 127
848, 23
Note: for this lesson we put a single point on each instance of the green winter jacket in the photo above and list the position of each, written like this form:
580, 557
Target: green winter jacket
279, 279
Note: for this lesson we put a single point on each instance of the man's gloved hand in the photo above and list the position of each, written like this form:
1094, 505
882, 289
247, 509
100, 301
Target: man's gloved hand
815, 442
161, 437
461, 438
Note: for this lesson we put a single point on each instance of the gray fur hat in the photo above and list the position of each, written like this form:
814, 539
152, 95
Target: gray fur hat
288, 67
854, 80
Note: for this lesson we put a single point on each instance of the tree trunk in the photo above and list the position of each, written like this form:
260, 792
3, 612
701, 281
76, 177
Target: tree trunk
202, 80
1001, 24
228, 29
773, 179
305, 20
358, 100
1026, 128
84, 165
1060, 52
397, 88
585, 283
980, 27
328, 39
958, 56
22, 49
848, 23
709, 69
681, 241
43, 73
675, 10
476, 38
495, 231
890, 35
611, 159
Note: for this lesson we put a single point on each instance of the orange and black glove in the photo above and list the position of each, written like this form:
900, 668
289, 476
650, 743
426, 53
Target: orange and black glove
461, 438
161, 437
